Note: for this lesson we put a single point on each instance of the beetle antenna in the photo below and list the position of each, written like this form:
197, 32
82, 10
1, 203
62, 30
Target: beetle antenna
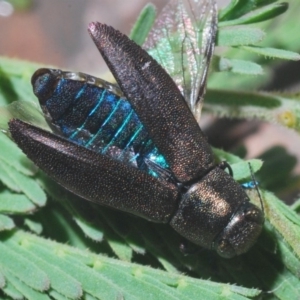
256, 187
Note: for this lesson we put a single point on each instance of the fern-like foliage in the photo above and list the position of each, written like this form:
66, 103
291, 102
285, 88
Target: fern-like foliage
130, 258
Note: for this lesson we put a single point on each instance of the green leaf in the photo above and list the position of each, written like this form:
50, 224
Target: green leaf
283, 220
11, 291
57, 296
15, 76
24, 289
235, 9
6, 179
60, 281
2, 281
274, 157
272, 52
143, 25
221, 155
13, 156
14, 204
239, 36
89, 229
259, 15
239, 98
92, 230
121, 249
34, 226
279, 109
6, 223
26, 184
105, 278
241, 170
240, 66
23, 269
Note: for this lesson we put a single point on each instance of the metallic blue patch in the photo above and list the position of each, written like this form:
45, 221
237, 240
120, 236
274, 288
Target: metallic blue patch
250, 185
98, 119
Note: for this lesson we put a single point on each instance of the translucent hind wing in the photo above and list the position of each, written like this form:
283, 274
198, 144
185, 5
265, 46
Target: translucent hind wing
182, 41
23, 110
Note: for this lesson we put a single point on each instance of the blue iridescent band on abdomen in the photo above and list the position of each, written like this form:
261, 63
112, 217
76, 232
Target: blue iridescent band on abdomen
93, 116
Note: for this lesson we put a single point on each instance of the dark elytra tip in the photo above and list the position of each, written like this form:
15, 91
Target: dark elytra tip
95, 27
95, 30
92, 27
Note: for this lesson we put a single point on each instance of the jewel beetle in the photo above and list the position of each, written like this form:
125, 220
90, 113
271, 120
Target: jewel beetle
138, 148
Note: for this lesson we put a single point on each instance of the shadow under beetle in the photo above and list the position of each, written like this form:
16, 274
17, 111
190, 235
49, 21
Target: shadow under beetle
145, 155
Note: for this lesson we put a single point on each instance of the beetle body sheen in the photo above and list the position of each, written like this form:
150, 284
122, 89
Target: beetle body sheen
169, 176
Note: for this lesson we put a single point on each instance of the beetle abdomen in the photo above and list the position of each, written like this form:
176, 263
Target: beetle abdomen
93, 114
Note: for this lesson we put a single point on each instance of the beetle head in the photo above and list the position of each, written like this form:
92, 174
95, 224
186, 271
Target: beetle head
215, 213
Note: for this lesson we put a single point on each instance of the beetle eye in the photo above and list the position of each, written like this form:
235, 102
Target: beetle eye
43, 82
253, 214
